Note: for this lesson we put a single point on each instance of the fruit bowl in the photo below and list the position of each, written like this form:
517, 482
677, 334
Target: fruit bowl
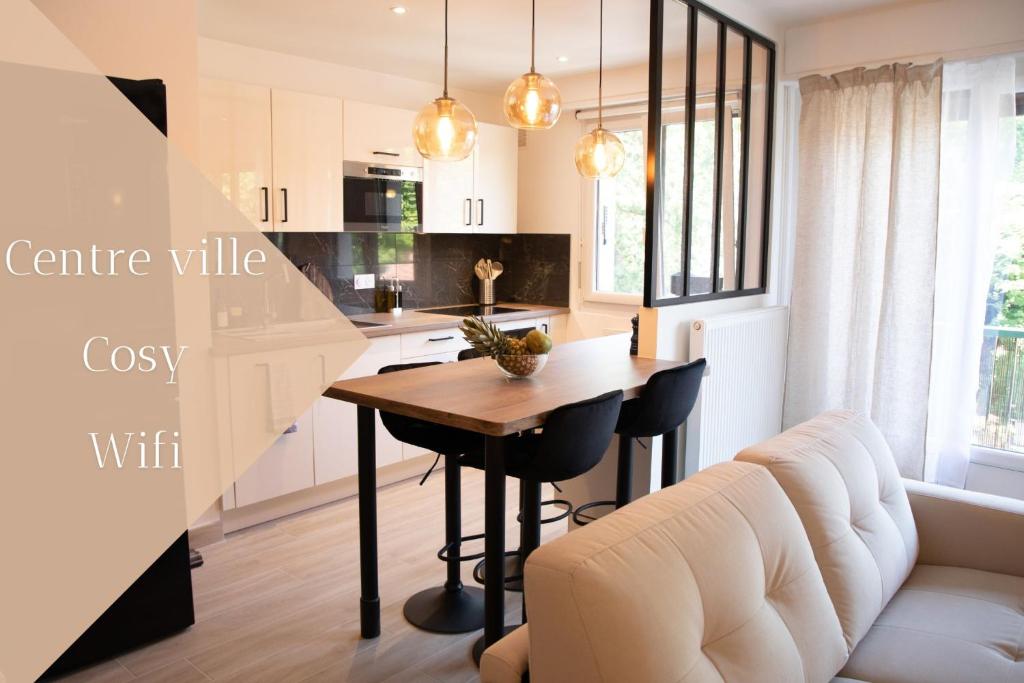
522, 366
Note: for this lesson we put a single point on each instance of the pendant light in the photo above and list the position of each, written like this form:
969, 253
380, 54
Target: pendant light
532, 102
599, 153
445, 129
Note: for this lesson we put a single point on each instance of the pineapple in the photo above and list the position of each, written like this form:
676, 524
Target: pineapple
486, 338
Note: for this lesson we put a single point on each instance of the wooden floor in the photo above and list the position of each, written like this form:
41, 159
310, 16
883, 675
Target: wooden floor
280, 602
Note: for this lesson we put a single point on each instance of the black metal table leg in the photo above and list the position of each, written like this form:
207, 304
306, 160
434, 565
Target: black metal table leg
669, 468
494, 544
624, 476
369, 599
531, 525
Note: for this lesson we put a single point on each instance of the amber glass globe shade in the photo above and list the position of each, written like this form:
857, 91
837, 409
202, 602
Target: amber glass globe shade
445, 130
532, 102
599, 154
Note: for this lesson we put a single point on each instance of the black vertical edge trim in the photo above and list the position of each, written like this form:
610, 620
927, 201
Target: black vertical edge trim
741, 258
769, 147
691, 118
716, 244
654, 153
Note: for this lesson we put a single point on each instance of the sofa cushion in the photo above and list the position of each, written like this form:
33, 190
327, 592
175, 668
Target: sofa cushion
840, 475
709, 580
946, 625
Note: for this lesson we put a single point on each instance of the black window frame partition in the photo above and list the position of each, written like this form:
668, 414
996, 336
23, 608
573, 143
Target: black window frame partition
655, 154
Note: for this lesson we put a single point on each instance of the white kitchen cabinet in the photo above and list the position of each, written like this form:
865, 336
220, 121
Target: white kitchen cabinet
382, 135
477, 194
235, 149
448, 195
287, 465
307, 145
335, 442
495, 179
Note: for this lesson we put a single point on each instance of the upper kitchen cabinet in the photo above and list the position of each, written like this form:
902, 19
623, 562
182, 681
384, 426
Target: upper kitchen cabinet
477, 194
276, 155
495, 181
381, 135
448, 195
307, 144
235, 145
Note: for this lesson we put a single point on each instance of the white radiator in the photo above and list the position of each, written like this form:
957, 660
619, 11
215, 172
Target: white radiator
741, 397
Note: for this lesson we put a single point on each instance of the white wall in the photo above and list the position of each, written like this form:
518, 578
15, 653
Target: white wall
911, 31
232, 62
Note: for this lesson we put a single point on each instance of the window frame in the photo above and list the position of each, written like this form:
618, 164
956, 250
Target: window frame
592, 204
655, 154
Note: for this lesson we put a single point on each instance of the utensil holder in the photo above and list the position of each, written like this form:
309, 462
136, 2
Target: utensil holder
487, 292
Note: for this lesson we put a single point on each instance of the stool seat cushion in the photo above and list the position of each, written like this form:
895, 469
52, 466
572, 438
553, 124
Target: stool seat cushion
517, 456
432, 437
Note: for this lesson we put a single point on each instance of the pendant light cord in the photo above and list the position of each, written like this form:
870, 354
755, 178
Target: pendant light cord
533, 37
600, 67
446, 49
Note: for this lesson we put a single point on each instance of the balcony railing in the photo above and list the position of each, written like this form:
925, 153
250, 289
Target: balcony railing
1000, 417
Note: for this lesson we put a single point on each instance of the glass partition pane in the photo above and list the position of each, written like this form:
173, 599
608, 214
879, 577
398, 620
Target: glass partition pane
732, 157
669, 257
752, 276
702, 232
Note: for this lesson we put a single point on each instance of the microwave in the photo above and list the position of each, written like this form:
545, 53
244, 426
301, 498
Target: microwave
383, 198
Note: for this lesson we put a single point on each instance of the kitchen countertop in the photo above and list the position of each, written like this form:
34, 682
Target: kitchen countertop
422, 319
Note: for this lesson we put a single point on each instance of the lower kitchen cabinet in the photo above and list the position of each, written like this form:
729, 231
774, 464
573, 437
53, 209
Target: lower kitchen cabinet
334, 444
284, 468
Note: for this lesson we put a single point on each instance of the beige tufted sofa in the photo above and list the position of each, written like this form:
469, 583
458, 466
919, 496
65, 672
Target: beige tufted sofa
807, 560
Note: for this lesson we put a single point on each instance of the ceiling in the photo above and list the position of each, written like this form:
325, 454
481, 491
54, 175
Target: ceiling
489, 39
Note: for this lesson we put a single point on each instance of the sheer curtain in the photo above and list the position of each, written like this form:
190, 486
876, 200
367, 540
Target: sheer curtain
978, 140
864, 265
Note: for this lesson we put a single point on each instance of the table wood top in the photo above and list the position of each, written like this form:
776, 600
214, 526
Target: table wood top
474, 395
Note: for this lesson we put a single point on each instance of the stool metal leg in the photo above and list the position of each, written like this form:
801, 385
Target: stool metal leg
669, 467
452, 608
624, 478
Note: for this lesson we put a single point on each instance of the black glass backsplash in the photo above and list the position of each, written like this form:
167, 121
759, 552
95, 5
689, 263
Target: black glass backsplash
435, 269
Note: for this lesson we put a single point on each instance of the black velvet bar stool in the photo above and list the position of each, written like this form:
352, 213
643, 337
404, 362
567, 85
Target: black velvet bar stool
573, 441
453, 607
664, 405
513, 558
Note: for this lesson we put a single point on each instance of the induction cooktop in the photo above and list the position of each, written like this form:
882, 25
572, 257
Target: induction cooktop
473, 309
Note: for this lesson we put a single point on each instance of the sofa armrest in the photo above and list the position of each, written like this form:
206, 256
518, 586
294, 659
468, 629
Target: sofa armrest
967, 529
508, 660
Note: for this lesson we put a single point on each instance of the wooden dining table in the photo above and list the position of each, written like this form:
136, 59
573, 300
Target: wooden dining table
474, 395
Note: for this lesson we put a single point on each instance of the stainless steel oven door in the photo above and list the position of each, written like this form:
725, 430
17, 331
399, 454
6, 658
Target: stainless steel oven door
383, 198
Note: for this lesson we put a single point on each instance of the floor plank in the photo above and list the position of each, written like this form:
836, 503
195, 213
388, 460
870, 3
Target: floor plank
280, 602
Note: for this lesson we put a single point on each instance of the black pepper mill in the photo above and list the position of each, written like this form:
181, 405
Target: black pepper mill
634, 342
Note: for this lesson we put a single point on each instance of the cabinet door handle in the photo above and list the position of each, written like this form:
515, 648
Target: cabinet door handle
284, 196
467, 211
265, 191
480, 218
387, 154
448, 338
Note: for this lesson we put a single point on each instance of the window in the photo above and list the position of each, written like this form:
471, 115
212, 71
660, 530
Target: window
618, 237
999, 421
709, 153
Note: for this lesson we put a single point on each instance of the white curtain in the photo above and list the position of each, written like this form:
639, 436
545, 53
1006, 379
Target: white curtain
977, 160
863, 284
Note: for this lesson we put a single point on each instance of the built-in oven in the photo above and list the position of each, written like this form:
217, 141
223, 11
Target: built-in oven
383, 198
